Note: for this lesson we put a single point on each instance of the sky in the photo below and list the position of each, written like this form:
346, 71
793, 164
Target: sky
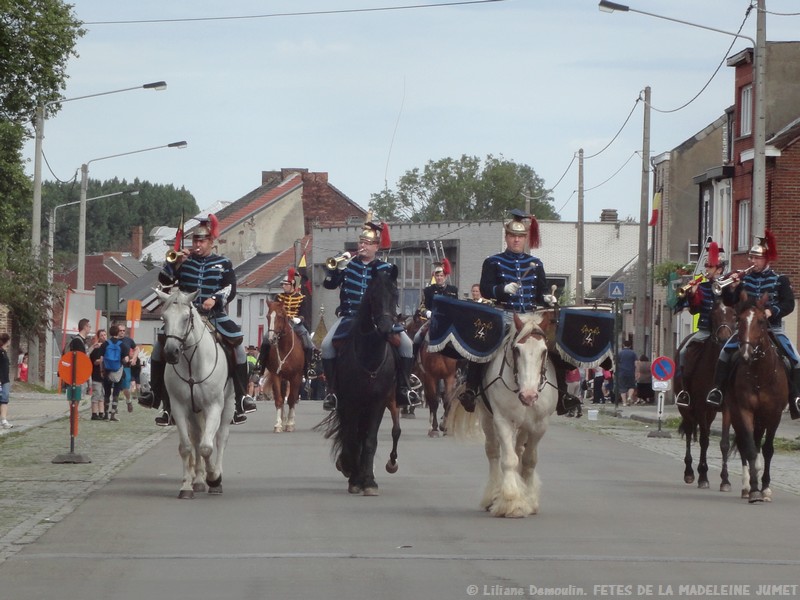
368, 95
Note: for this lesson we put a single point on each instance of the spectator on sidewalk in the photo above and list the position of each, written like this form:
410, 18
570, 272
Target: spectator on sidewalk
112, 379
644, 381
5, 381
626, 373
130, 352
98, 390
22, 374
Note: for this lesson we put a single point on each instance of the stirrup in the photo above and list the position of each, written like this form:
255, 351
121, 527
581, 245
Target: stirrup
714, 397
164, 419
238, 418
682, 399
147, 400
467, 399
330, 402
247, 404
415, 383
408, 397
794, 408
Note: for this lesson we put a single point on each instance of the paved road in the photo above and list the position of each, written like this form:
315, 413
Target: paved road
614, 512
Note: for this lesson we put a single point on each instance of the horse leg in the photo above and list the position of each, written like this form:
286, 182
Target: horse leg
702, 462
767, 452
432, 398
688, 472
277, 394
749, 453
293, 396
220, 441
368, 448
186, 452
512, 501
391, 464
492, 448
529, 456
724, 448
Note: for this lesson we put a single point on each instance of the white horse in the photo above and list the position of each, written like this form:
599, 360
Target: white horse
520, 385
200, 391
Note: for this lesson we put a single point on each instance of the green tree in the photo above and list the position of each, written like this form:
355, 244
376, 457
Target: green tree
464, 189
37, 38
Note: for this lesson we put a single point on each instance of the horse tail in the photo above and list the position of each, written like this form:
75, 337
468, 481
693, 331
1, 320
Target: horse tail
331, 427
463, 425
685, 429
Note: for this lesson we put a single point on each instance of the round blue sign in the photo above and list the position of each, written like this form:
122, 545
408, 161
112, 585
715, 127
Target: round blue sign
663, 368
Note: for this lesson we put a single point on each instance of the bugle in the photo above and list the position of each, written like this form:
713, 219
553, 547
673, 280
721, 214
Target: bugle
339, 261
172, 256
723, 282
684, 289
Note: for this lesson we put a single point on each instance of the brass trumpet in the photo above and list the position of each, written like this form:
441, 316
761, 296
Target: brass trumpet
339, 261
172, 256
684, 289
723, 282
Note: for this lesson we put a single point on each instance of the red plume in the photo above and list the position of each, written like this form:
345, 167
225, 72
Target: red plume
446, 267
291, 274
772, 246
713, 254
533, 233
213, 225
386, 240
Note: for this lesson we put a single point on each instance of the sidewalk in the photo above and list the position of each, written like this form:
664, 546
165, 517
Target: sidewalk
31, 409
648, 413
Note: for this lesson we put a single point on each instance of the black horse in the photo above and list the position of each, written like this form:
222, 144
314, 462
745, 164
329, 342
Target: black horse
365, 379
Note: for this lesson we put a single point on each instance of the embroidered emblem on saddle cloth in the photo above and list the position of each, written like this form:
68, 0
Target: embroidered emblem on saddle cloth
584, 335
463, 329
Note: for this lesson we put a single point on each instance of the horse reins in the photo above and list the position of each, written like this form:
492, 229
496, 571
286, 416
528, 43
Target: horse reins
278, 336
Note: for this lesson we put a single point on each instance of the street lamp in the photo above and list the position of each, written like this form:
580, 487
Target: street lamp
51, 229
36, 226
81, 283
760, 125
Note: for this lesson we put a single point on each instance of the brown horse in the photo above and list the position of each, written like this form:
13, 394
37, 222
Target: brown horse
285, 363
757, 396
698, 380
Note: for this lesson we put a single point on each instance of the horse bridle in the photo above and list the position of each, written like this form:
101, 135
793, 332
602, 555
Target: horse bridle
511, 343
278, 336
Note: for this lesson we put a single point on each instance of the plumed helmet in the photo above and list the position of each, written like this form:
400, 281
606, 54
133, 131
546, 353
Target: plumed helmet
375, 232
517, 226
765, 247
208, 228
716, 256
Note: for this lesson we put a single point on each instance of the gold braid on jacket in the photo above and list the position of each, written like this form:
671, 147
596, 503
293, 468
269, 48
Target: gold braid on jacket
291, 303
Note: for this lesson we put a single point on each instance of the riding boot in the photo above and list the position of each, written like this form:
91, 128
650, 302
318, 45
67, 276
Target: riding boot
308, 369
327, 368
415, 349
566, 401
721, 373
263, 355
154, 397
244, 403
473, 385
794, 393
406, 395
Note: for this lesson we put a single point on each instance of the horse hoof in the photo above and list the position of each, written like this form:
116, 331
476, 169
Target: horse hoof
353, 489
198, 487
371, 491
745, 495
214, 483
289, 428
754, 497
688, 479
186, 495
724, 487
767, 493
702, 485
433, 433
391, 467
277, 429
215, 491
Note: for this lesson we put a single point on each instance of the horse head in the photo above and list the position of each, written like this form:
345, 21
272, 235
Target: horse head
276, 322
752, 326
723, 321
178, 322
530, 357
380, 300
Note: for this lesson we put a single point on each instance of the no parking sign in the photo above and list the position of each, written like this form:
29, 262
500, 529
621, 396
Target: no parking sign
663, 368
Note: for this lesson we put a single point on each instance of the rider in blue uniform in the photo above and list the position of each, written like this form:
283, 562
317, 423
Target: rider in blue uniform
762, 280
352, 276
516, 281
199, 269
439, 287
699, 299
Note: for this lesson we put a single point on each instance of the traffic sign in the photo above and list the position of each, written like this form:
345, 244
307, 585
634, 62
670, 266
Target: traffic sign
82, 371
616, 290
661, 386
663, 368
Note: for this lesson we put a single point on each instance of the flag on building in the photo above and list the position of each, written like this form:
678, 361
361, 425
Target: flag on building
302, 269
656, 208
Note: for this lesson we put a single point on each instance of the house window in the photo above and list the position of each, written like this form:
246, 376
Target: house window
746, 111
239, 307
743, 239
261, 307
597, 281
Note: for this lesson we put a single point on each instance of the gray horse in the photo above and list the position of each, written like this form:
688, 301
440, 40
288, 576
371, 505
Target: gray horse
202, 394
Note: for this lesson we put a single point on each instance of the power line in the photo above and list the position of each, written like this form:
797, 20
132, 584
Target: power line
616, 135
292, 14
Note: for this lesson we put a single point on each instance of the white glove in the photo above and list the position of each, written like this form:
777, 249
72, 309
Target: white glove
296, 320
550, 300
343, 264
511, 288
427, 314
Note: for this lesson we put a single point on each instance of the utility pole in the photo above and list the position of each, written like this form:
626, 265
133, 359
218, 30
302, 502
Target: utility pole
759, 208
640, 306
579, 266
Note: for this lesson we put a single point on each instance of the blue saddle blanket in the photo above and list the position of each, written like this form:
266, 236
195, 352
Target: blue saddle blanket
463, 329
584, 336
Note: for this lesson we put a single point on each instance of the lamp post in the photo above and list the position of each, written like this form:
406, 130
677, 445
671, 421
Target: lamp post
51, 230
759, 127
81, 283
36, 226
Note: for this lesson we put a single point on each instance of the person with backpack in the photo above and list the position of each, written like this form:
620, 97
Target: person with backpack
113, 371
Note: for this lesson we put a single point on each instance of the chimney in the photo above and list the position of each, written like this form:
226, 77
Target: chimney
137, 241
609, 215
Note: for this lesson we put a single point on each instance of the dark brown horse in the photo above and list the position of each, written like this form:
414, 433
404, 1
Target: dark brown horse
757, 397
285, 365
697, 380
